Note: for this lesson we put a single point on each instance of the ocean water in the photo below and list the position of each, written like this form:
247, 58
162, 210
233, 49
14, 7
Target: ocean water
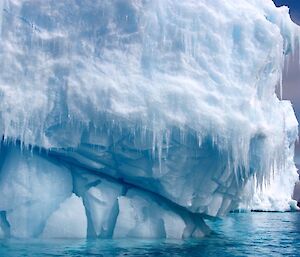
239, 234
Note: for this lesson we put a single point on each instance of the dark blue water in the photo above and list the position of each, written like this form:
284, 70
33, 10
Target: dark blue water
240, 234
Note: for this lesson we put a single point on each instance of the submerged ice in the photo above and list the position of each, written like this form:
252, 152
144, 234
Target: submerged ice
132, 118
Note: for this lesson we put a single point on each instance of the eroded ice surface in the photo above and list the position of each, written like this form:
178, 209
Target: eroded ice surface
68, 221
275, 194
143, 116
31, 188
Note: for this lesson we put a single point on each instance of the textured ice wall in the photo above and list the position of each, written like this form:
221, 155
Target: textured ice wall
275, 194
175, 99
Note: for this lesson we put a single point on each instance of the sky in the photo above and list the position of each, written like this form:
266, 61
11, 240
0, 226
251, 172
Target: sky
294, 6
291, 79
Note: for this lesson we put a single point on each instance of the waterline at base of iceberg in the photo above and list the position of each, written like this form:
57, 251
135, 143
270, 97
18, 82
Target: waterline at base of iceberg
236, 235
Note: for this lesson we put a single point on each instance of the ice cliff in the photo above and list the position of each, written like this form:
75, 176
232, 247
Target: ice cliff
128, 118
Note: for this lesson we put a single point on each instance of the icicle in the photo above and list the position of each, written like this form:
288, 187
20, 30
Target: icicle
287, 64
159, 153
167, 139
280, 84
153, 143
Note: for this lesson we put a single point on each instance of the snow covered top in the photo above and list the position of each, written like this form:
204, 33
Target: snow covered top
210, 67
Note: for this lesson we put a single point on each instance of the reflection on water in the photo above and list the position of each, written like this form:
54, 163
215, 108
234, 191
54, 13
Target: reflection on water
239, 234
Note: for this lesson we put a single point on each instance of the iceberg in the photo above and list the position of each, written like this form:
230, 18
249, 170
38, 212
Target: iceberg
125, 118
